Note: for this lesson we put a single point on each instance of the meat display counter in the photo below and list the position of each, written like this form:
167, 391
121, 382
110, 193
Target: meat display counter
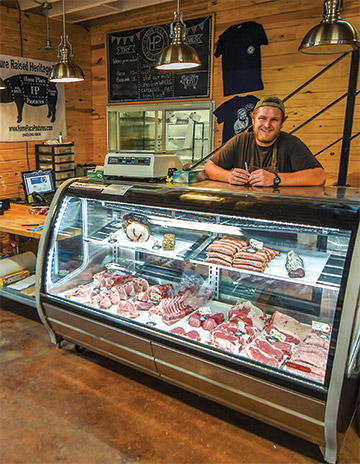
249, 298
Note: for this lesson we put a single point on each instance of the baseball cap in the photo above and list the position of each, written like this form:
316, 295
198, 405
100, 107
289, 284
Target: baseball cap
271, 100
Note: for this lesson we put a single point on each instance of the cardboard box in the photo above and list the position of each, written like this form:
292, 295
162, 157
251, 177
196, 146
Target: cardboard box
15, 277
188, 177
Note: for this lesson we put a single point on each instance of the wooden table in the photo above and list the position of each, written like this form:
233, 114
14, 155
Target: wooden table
18, 220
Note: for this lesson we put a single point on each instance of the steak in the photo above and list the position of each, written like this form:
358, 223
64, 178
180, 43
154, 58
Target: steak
269, 349
192, 334
258, 355
225, 340
207, 322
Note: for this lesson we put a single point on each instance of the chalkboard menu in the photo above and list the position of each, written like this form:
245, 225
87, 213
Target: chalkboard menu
131, 59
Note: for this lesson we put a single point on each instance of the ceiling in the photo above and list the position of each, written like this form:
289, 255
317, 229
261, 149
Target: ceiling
79, 11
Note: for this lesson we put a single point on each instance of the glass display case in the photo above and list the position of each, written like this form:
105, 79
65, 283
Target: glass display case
185, 128
247, 298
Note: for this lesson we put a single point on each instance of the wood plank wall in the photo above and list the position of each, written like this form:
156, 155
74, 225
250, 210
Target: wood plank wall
284, 69
20, 156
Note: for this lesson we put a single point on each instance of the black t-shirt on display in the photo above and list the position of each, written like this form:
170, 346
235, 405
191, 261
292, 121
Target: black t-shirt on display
239, 46
235, 114
292, 154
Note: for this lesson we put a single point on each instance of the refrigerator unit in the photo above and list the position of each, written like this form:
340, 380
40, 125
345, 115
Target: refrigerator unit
249, 298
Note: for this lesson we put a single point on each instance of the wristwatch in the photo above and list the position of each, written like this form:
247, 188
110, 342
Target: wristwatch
277, 180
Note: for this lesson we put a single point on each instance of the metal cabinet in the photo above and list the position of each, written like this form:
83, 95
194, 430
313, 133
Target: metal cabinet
185, 128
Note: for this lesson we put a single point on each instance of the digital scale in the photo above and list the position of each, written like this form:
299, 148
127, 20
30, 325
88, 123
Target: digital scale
141, 164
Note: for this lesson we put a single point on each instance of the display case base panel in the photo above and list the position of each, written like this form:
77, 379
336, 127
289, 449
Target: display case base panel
290, 411
108, 341
280, 407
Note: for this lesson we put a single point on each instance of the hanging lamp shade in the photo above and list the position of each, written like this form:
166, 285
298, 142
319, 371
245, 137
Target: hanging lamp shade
65, 70
332, 35
3, 86
178, 55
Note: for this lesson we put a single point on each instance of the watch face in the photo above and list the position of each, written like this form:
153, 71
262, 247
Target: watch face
277, 180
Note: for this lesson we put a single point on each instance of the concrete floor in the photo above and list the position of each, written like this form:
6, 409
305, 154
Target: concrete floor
61, 406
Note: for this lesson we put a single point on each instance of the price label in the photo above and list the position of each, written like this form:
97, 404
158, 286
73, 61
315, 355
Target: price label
321, 326
256, 244
299, 367
280, 336
241, 326
155, 296
204, 311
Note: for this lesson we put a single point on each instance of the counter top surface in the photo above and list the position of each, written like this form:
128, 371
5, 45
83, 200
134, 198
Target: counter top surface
18, 220
326, 194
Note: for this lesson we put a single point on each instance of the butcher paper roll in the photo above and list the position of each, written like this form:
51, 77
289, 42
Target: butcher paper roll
17, 263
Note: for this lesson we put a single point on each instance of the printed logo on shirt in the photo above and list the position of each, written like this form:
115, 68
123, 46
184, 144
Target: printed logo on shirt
250, 50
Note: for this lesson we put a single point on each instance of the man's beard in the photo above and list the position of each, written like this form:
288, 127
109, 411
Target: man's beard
266, 137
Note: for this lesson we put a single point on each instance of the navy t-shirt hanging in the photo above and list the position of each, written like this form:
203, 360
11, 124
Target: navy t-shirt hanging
239, 46
235, 114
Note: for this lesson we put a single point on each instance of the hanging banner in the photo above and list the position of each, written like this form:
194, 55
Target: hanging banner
31, 107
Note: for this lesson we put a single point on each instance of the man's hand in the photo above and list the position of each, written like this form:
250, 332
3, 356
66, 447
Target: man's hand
261, 178
239, 176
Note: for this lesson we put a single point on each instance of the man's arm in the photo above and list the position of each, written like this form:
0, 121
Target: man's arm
263, 178
306, 177
234, 176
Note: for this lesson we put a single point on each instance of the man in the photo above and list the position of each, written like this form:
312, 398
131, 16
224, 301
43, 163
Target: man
267, 156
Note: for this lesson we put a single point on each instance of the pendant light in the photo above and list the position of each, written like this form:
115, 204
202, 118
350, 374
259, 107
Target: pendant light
48, 47
332, 35
65, 70
178, 55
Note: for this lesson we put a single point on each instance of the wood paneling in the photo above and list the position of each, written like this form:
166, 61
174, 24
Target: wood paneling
284, 69
20, 156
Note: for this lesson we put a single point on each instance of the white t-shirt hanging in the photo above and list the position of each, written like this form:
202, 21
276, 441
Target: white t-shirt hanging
239, 46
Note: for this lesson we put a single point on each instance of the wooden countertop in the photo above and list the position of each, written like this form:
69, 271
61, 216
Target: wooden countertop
17, 220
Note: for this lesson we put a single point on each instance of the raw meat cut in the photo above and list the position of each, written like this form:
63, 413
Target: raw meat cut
177, 331
101, 301
143, 306
290, 328
192, 334
269, 349
173, 309
126, 309
258, 355
249, 314
316, 338
157, 292
194, 320
207, 322
109, 279
225, 340
309, 358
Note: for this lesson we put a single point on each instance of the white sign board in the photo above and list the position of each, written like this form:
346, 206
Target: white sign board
31, 107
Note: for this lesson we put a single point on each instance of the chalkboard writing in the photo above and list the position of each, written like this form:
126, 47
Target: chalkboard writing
131, 59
